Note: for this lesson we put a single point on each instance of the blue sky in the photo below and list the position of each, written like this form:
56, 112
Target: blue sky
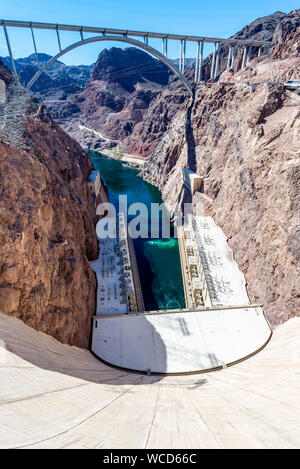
208, 18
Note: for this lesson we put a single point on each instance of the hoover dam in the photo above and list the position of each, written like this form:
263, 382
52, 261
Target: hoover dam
116, 332
57, 396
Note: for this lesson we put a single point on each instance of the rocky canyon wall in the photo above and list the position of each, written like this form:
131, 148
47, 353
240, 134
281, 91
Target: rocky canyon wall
244, 141
47, 218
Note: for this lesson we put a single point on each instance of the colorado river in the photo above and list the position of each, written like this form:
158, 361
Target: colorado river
158, 259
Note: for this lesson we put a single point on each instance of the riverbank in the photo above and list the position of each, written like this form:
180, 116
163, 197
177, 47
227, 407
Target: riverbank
131, 160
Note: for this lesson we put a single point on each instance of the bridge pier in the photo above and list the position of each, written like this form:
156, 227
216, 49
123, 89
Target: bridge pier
35, 49
183, 56
229, 56
244, 57
12, 61
201, 60
165, 47
249, 54
213, 61
217, 62
233, 56
180, 56
58, 39
197, 62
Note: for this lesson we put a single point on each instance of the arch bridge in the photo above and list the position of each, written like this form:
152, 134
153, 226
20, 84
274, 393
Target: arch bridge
140, 39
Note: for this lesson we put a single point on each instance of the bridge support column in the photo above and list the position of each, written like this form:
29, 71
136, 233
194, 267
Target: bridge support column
233, 56
13, 65
229, 56
180, 55
213, 61
249, 54
217, 62
146, 40
58, 39
35, 49
165, 46
244, 57
200, 63
197, 62
183, 56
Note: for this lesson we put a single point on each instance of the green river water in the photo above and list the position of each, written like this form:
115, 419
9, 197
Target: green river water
158, 259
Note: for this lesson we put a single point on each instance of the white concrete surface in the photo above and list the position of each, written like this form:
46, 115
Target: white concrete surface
56, 396
111, 292
180, 342
189, 340
119, 290
223, 276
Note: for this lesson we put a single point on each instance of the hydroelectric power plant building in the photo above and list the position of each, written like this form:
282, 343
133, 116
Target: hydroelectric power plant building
218, 328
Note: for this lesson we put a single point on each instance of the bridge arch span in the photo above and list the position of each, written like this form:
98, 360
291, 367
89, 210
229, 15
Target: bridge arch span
125, 39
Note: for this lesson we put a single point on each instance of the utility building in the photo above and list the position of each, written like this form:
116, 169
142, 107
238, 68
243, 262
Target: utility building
191, 181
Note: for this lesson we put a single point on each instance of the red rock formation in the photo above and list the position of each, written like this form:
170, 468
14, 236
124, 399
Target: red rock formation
147, 134
47, 229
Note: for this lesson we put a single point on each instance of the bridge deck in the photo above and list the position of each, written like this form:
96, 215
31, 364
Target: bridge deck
127, 32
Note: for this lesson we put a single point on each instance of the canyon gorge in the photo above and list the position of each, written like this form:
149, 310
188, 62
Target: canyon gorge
243, 140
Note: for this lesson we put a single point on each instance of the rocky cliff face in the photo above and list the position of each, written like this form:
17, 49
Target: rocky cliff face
286, 38
147, 134
244, 142
47, 218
